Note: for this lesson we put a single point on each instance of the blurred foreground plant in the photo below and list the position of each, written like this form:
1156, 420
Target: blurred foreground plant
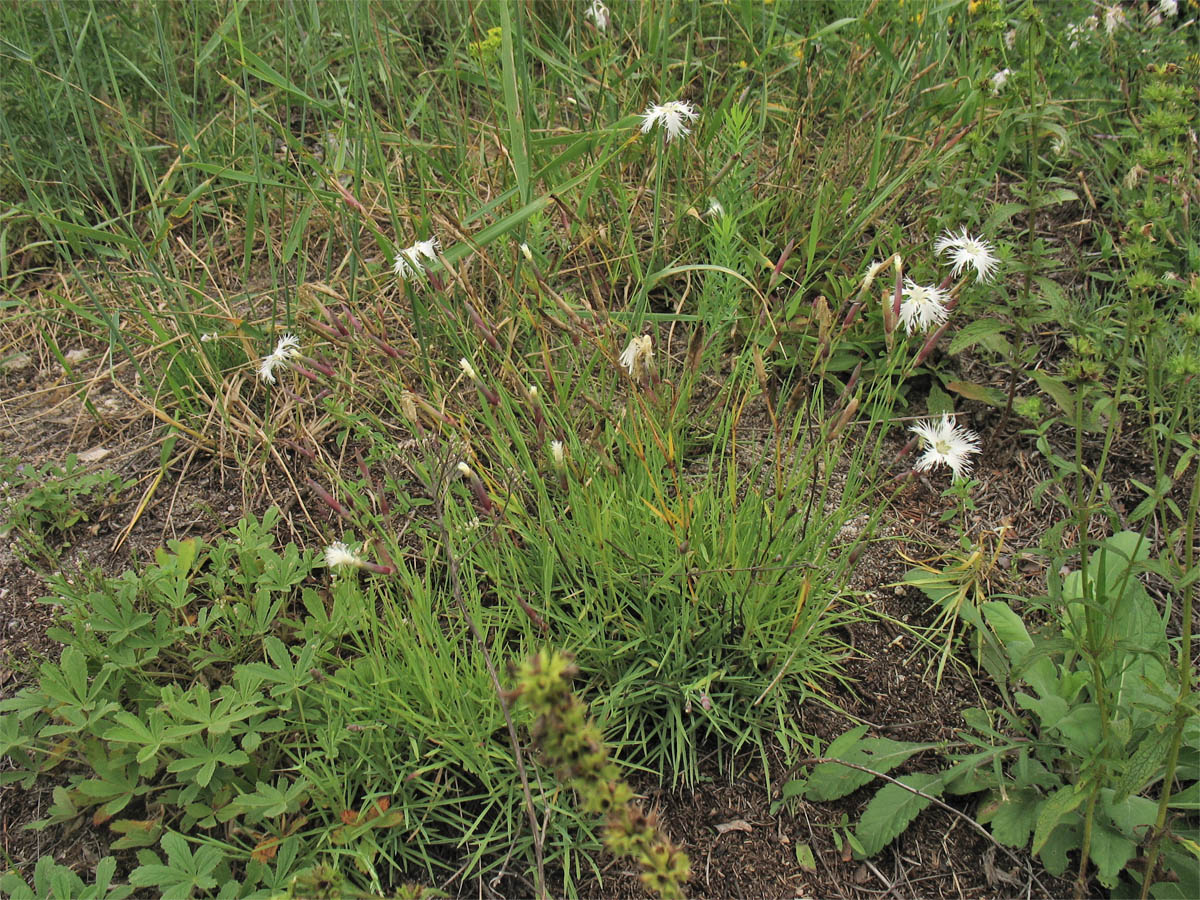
572, 744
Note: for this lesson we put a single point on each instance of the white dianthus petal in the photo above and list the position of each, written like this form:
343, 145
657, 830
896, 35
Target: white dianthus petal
338, 555
923, 307
967, 251
672, 116
946, 443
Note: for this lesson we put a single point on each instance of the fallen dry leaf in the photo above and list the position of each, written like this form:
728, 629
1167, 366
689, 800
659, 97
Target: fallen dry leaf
733, 825
94, 455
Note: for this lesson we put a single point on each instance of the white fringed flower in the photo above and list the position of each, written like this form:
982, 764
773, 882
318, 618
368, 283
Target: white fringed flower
338, 555
671, 116
408, 261
285, 351
946, 444
999, 80
638, 356
965, 251
598, 13
1114, 18
923, 307
558, 454
715, 209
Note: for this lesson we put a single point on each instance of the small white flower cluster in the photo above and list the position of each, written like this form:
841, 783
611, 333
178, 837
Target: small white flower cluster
925, 306
999, 80
1114, 18
285, 351
599, 15
408, 265
1166, 9
1077, 32
338, 555
968, 252
946, 443
638, 356
672, 116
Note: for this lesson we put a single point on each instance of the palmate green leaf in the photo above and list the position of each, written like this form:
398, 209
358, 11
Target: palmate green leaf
893, 808
184, 872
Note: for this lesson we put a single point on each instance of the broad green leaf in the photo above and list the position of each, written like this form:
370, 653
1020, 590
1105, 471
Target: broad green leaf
893, 808
1110, 851
981, 392
829, 781
1061, 802
1080, 728
988, 332
1012, 820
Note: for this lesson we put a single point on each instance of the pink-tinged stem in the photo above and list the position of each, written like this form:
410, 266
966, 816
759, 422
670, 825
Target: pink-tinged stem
906, 449
377, 569
481, 494
532, 614
896, 297
384, 346
477, 321
322, 328
297, 448
783, 258
539, 421
386, 558
491, 396
354, 323
850, 385
850, 317
321, 366
930, 344
310, 375
348, 198
328, 498
333, 320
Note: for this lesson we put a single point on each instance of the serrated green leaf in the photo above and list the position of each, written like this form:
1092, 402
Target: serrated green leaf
1063, 840
829, 781
893, 808
1143, 765
1061, 802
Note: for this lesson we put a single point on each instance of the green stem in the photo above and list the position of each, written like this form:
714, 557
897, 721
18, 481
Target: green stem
1185, 687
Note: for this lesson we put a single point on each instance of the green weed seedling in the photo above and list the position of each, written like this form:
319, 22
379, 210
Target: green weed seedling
44, 504
1063, 767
